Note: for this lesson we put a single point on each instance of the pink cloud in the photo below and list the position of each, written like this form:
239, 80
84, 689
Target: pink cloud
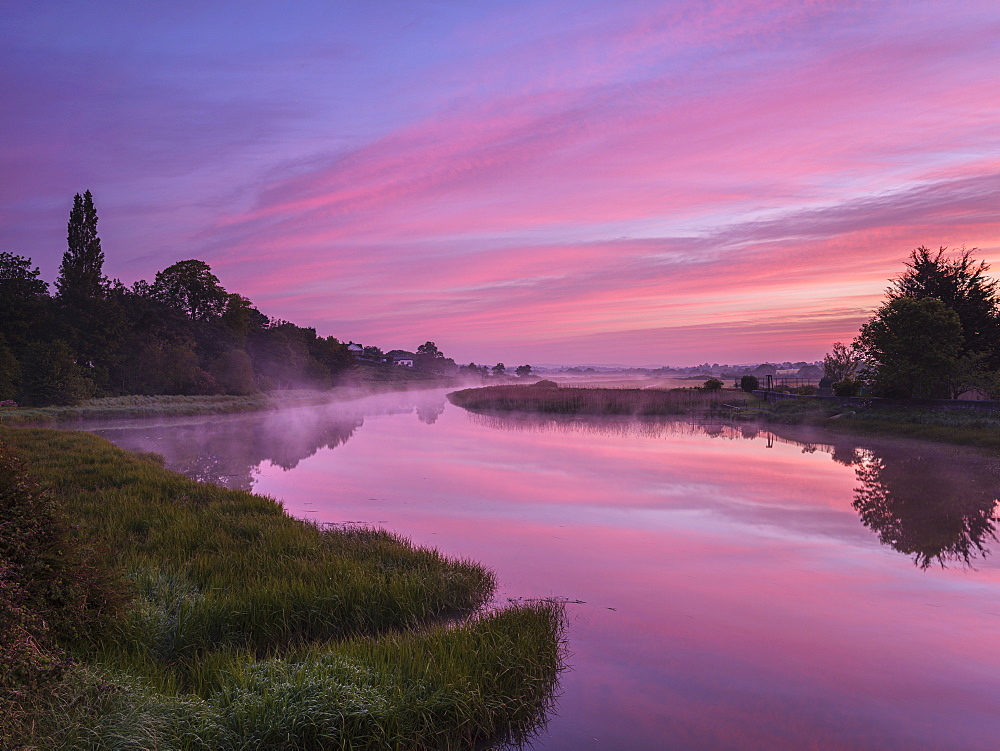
560, 182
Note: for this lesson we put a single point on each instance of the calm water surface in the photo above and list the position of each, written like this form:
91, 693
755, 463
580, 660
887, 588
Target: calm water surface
738, 588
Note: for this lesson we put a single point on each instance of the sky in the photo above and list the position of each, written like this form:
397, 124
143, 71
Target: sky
642, 183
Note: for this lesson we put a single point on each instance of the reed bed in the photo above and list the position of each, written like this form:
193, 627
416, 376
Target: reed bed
596, 401
246, 628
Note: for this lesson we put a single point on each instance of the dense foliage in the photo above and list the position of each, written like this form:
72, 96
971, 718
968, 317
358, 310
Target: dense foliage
182, 334
915, 342
936, 336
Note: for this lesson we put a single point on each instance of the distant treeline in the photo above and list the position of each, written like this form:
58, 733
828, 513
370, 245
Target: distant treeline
181, 334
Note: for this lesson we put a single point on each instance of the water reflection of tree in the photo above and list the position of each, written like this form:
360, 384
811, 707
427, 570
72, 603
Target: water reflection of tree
228, 450
430, 410
934, 503
920, 510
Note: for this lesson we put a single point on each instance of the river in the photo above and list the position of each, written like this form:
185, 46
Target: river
728, 587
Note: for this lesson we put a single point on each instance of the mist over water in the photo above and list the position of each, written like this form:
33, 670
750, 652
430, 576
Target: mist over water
740, 588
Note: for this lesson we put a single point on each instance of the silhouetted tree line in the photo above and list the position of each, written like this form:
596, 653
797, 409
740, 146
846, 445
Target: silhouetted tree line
936, 336
181, 334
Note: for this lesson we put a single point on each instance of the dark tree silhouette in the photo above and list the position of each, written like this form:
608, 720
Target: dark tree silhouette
913, 346
24, 302
429, 349
192, 287
80, 274
960, 283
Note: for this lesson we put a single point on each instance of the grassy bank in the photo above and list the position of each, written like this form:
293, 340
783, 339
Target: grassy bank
962, 427
595, 401
137, 406
164, 613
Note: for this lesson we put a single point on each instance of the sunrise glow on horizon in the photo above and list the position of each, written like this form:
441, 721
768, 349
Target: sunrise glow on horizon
638, 183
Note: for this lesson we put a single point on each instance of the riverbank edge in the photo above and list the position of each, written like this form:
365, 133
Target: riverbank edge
963, 427
960, 427
139, 406
427, 686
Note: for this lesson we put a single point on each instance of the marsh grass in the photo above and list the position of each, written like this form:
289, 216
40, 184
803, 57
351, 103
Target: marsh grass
139, 406
946, 425
247, 628
596, 401
489, 679
957, 426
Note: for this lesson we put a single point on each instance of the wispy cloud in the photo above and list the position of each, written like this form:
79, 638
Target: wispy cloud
549, 180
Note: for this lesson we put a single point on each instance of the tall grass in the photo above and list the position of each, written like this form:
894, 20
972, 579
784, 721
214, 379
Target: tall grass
490, 679
595, 401
247, 626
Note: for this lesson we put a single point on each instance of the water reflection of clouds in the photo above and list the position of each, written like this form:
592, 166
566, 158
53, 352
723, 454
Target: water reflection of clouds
752, 609
934, 503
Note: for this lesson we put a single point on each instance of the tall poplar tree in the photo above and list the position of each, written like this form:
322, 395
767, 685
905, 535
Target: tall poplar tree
91, 320
80, 278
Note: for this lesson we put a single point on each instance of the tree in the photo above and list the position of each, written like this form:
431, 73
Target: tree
842, 362
51, 375
523, 371
913, 347
192, 287
499, 369
961, 284
234, 372
712, 384
430, 358
18, 279
80, 274
429, 349
9, 371
280, 354
372, 352
23, 301
749, 383
240, 317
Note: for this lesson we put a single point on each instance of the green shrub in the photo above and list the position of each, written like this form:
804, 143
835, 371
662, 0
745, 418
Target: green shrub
546, 384
847, 387
806, 390
712, 384
749, 383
